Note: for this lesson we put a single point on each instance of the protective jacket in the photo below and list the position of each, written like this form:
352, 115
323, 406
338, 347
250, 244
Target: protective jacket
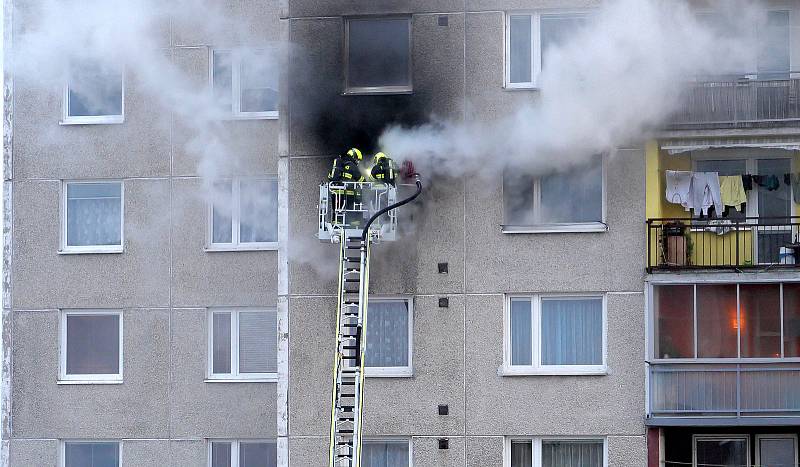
345, 169
384, 170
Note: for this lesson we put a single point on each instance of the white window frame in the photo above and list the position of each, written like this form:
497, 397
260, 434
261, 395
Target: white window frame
567, 227
63, 377
759, 437
236, 199
234, 375
79, 249
67, 119
395, 371
536, 446
652, 337
716, 437
358, 90
235, 443
536, 367
236, 89
536, 46
394, 439
62, 454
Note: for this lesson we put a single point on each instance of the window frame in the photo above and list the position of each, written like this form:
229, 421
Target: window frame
724, 437
236, 244
564, 227
536, 367
395, 371
65, 249
362, 90
392, 439
67, 119
536, 446
536, 44
760, 436
62, 461
109, 378
235, 375
651, 336
236, 86
235, 443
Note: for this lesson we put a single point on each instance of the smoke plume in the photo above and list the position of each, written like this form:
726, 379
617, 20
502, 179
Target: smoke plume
613, 81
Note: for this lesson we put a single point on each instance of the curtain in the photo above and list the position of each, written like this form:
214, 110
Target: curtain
258, 217
384, 454
387, 334
94, 214
81, 454
572, 454
258, 342
257, 454
572, 331
92, 344
222, 222
221, 343
521, 339
521, 454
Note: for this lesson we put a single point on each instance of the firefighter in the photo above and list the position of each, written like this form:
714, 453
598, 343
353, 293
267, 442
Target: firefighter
346, 169
383, 169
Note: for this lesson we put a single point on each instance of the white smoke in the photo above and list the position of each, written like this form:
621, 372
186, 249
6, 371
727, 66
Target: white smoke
615, 80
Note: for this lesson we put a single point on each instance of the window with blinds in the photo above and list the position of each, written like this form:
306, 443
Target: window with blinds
243, 344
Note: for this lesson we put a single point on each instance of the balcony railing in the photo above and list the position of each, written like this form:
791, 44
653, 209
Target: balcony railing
724, 390
739, 243
739, 101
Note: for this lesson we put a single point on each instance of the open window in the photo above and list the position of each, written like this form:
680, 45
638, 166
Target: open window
378, 55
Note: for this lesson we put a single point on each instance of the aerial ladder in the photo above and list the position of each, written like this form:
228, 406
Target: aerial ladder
355, 223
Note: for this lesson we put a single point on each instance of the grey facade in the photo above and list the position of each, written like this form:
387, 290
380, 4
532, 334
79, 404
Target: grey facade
166, 411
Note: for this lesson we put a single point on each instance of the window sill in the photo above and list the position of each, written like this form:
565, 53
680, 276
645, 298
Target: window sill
100, 120
398, 90
88, 381
222, 248
594, 227
600, 371
91, 250
388, 372
266, 379
521, 87
254, 116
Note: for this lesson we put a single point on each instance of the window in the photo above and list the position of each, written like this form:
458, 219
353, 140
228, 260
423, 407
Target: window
378, 52
385, 453
94, 93
776, 450
556, 452
245, 83
555, 334
91, 453
555, 202
244, 214
389, 337
529, 39
774, 44
692, 321
92, 214
244, 453
91, 346
243, 344
721, 450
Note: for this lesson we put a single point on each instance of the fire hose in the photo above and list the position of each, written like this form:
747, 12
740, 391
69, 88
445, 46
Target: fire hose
390, 207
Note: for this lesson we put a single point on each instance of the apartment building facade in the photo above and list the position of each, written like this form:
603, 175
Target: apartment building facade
519, 320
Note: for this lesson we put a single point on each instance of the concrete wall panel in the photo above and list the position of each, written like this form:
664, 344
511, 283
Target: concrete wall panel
45, 279
213, 410
136, 408
33, 453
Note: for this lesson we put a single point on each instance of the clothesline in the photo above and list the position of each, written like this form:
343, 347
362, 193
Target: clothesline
700, 191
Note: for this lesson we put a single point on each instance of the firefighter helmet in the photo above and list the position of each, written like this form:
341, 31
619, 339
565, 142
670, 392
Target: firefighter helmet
355, 154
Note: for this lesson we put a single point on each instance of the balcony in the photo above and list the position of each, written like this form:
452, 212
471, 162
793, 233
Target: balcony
675, 244
741, 101
738, 392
